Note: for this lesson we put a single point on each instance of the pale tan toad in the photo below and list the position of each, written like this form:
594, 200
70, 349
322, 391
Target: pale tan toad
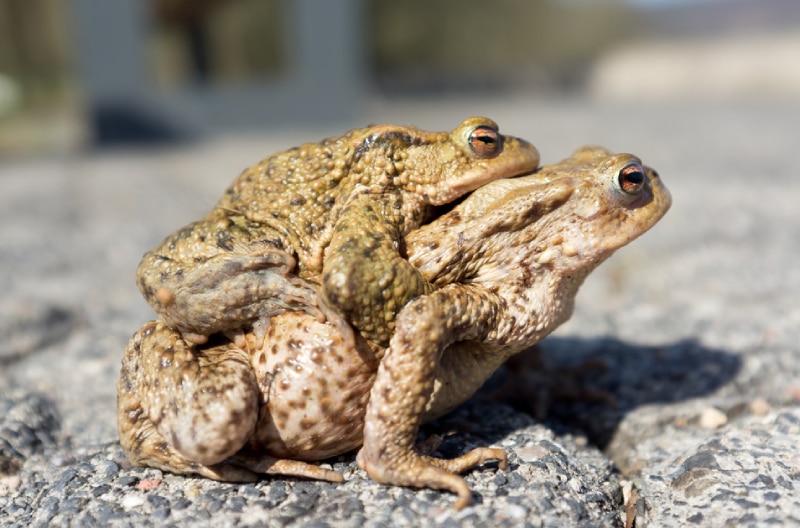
507, 263
305, 221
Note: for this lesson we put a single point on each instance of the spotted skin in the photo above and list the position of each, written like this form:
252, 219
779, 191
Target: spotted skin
302, 223
505, 265
508, 262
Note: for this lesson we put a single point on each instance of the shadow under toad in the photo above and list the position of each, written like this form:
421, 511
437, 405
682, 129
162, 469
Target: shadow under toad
587, 386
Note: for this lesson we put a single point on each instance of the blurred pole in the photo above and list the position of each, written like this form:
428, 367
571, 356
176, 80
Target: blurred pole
324, 80
111, 44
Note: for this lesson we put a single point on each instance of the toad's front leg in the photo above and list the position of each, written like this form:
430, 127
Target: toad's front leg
222, 273
405, 382
365, 275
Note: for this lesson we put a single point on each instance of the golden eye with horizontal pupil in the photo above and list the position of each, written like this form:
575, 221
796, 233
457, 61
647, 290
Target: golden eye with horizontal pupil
631, 179
486, 142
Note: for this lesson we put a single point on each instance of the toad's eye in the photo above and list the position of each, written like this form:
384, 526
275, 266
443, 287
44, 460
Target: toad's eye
485, 142
631, 179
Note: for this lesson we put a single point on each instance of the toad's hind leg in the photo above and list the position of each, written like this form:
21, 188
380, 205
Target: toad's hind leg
405, 382
182, 409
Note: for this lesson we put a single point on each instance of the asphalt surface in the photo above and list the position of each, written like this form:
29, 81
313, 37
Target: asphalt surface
691, 415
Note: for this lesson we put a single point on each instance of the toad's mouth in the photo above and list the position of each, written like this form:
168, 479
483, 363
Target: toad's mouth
440, 210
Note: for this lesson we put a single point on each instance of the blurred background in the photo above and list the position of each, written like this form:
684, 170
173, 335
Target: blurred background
82, 73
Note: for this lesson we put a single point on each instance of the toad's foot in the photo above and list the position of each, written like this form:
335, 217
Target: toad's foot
427, 472
404, 385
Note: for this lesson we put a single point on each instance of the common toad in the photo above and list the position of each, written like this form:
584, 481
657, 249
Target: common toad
507, 262
304, 222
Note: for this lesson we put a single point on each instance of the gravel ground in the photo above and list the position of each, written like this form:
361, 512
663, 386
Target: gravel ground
691, 415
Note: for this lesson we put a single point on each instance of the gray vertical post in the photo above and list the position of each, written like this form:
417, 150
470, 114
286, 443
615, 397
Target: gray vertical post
324, 81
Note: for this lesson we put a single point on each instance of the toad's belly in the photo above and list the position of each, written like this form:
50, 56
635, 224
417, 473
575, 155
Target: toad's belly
315, 385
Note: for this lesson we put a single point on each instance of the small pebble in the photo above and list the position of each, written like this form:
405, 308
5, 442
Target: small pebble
61, 460
192, 491
760, 407
8, 484
132, 501
531, 454
515, 511
575, 485
712, 418
148, 484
